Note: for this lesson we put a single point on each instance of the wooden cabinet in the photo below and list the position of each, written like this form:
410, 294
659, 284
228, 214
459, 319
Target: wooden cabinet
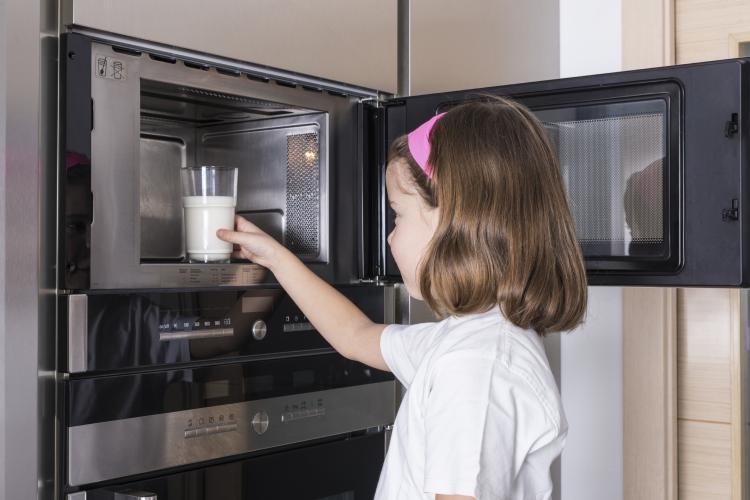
351, 42
685, 350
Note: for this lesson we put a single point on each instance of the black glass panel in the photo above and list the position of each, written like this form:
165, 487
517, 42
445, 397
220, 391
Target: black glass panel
147, 329
341, 470
105, 398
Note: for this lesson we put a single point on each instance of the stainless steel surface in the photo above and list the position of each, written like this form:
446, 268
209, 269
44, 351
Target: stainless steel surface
28, 123
135, 495
259, 329
79, 495
171, 439
403, 48
161, 157
78, 328
338, 40
553, 348
200, 333
137, 233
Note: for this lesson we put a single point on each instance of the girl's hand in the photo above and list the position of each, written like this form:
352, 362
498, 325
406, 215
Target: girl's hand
252, 243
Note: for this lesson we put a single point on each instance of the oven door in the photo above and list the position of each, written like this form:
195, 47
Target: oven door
120, 426
653, 164
343, 469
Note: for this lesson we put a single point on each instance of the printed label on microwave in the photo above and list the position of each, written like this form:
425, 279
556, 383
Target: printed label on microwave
109, 67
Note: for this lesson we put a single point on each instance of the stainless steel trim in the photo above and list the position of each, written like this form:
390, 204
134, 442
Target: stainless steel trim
403, 48
390, 295
28, 152
78, 329
135, 495
204, 333
115, 264
224, 63
78, 495
119, 448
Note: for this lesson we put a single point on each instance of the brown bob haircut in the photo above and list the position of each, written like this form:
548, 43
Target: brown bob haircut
505, 234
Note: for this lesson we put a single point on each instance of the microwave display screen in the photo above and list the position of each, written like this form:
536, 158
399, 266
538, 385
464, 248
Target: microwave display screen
613, 160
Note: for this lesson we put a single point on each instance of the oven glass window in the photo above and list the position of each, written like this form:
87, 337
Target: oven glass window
613, 159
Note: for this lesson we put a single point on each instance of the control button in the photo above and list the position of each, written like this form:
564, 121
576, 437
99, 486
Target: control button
259, 329
287, 416
190, 434
260, 422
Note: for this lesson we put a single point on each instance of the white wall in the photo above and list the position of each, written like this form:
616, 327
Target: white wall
591, 357
590, 37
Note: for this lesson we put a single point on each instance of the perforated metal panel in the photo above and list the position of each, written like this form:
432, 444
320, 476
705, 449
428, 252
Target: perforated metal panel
613, 169
302, 234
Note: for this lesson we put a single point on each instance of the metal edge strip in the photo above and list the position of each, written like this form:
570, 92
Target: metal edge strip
224, 63
77, 333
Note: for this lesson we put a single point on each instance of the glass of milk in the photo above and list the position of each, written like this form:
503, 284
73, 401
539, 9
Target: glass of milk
209, 196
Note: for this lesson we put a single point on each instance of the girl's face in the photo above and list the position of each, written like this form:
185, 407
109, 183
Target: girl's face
415, 225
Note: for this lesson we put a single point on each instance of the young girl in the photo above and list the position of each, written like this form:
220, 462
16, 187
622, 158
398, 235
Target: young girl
484, 235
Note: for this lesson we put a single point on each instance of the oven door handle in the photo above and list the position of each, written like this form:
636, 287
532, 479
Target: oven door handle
135, 495
203, 333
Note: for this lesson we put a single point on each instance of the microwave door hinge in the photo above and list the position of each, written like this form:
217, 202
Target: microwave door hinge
732, 126
730, 214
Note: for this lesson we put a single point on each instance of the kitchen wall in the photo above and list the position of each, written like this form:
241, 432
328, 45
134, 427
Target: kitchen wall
458, 45
591, 357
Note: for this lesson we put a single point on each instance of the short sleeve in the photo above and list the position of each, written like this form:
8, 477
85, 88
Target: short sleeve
404, 346
458, 411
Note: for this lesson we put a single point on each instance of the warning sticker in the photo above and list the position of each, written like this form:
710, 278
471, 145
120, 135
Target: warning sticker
109, 67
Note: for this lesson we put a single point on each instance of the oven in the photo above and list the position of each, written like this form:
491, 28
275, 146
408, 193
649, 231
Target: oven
218, 394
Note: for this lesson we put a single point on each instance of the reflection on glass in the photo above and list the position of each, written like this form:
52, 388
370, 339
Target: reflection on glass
612, 159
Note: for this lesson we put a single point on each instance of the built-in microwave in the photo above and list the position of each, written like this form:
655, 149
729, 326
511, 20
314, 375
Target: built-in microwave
653, 161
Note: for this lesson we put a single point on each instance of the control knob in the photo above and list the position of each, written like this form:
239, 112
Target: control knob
259, 329
260, 422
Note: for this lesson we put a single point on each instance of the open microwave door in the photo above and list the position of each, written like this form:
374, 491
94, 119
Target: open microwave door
652, 163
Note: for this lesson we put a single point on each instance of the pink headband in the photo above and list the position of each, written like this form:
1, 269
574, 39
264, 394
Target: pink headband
419, 144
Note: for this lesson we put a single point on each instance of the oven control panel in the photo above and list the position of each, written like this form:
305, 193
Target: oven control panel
190, 436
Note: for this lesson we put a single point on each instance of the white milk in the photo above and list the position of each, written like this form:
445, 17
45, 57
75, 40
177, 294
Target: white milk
204, 215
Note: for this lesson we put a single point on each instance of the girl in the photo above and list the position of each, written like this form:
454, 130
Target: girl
484, 235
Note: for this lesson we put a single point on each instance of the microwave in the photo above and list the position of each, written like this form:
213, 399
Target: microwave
653, 162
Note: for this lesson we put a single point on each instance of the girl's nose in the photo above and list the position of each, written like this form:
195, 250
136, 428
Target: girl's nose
388, 239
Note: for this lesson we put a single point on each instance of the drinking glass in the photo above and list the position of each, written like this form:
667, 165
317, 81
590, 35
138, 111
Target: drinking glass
209, 197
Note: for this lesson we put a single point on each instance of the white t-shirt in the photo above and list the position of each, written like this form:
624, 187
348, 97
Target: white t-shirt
481, 416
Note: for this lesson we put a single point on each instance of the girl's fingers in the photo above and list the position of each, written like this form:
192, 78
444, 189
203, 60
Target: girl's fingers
244, 224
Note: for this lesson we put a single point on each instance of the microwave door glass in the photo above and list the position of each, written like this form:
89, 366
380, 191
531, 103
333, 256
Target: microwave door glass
613, 160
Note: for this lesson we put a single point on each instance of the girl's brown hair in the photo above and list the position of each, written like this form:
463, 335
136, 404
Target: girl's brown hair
505, 233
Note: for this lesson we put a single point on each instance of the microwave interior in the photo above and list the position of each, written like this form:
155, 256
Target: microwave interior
279, 151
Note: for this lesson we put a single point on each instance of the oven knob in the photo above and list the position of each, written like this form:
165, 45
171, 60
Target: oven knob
260, 422
259, 330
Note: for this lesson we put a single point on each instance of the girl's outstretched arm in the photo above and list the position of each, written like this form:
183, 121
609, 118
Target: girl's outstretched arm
340, 322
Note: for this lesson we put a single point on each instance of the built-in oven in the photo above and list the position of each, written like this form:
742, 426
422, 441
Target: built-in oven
185, 391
